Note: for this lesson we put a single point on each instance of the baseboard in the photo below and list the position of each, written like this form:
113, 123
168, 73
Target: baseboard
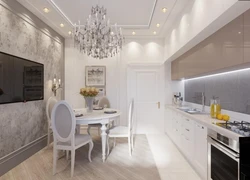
12, 160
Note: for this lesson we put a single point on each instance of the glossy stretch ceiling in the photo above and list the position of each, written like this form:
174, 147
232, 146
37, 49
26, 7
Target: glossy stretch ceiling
139, 16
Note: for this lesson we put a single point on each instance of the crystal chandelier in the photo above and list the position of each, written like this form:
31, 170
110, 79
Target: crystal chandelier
97, 38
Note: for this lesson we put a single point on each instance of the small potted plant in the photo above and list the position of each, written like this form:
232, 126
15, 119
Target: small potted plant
89, 94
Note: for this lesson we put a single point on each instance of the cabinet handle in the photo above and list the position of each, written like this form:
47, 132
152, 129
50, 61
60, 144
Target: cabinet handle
187, 119
187, 130
159, 105
202, 127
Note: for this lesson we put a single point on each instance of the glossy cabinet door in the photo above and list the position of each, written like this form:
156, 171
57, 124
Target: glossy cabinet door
231, 37
188, 138
200, 150
223, 49
168, 122
247, 36
175, 74
191, 139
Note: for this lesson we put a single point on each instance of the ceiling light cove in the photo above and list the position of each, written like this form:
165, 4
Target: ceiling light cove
62, 25
164, 10
46, 10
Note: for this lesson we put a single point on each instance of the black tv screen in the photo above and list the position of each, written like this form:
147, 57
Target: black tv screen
21, 80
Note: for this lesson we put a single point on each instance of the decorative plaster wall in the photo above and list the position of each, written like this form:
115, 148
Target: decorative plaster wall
22, 123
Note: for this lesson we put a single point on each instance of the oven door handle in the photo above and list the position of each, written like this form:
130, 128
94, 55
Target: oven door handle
228, 152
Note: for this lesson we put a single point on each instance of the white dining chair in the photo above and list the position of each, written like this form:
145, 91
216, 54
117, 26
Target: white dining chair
49, 106
63, 126
124, 131
104, 103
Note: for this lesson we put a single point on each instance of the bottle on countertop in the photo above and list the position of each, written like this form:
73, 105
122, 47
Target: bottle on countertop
215, 107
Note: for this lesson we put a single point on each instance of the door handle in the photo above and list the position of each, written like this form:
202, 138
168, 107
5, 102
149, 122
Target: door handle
159, 105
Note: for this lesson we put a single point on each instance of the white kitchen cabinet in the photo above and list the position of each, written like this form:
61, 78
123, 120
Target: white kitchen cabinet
190, 137
187, 137
168, 121
200, 153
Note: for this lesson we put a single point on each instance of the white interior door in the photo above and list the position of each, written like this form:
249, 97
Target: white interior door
146, 86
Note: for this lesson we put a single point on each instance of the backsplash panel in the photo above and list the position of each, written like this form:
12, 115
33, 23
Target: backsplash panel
233, 90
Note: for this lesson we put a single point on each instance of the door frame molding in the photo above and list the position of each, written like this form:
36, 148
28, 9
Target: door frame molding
145, 64
140, 67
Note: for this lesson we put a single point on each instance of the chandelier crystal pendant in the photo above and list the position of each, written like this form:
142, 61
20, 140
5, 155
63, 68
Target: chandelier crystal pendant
97, 38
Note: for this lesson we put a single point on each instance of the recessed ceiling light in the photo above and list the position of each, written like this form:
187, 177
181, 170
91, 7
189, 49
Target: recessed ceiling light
62, 25
154, 32
158, 25
133, 33
164, 10
112, 33
239, 32
46, 10
70, 32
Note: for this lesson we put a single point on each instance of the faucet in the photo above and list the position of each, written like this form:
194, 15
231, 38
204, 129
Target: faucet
203, 101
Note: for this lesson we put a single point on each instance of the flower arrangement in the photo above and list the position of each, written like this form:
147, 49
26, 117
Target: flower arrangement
89, 91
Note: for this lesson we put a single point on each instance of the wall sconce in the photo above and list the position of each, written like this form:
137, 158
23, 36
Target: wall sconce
56, 85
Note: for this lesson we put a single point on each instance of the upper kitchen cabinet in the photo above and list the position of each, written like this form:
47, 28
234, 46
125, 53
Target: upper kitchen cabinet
247, 36
223, 49
232, 39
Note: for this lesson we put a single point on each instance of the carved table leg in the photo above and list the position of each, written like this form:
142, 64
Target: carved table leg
104, 141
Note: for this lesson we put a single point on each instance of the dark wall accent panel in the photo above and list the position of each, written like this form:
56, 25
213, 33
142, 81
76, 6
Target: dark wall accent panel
233, 89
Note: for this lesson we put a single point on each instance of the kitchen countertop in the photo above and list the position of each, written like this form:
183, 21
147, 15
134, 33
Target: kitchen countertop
207, 121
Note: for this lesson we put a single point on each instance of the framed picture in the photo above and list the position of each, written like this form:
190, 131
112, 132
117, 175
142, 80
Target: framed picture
95, 75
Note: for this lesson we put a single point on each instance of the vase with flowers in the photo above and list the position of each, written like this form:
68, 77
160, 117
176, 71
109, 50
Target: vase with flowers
89, 94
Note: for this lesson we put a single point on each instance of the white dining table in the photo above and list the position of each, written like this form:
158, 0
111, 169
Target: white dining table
98, 117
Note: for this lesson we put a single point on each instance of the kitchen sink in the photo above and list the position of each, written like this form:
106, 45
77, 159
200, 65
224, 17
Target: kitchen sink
191, 110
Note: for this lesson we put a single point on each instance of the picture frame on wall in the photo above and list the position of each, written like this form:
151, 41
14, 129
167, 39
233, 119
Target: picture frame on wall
95, 76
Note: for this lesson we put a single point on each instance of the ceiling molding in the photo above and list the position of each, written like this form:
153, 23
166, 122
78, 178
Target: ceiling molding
147, 26
60, 12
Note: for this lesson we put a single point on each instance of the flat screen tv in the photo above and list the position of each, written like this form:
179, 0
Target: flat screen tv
21, 80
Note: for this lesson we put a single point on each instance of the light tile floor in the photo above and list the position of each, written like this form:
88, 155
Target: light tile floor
169, 161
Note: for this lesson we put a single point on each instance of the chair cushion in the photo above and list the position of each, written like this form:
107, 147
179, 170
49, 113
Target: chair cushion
118, 131
79, 139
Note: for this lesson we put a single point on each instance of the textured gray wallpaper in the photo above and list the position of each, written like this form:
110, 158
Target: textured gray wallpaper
22, 123
233, 89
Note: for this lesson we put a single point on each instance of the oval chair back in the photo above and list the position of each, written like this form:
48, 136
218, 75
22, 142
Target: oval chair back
130, 116
104, 102
63, 122
49, 106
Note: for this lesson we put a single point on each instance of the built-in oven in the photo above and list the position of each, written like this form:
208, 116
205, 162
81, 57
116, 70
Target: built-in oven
224, 157
223, 162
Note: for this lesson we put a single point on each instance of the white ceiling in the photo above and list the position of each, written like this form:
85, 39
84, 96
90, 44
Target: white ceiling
140, 16
128, 13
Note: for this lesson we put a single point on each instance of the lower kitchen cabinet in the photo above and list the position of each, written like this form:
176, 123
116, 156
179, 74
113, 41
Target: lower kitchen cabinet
200, 150
168, 121
191, 139
188, 138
